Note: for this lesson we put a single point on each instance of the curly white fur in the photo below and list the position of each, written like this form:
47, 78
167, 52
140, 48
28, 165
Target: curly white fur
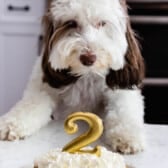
124, 107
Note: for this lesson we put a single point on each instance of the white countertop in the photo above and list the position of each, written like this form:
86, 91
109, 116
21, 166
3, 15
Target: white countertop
21, 154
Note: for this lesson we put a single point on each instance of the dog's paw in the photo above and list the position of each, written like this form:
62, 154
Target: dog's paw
126, 144
10, 129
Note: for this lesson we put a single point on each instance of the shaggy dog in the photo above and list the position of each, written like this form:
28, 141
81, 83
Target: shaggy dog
90, 62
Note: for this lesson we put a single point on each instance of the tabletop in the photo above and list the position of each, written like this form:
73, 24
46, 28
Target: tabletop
21, 154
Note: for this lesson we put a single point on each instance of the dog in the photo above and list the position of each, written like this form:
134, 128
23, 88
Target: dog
90, 61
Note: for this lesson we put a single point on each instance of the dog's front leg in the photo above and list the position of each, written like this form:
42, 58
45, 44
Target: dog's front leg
26, 117
124, 121
29, 114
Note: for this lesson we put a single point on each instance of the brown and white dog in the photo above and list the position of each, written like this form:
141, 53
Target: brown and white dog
90, 62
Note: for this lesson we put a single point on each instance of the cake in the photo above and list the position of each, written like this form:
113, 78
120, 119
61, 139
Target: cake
58, 159
76, 154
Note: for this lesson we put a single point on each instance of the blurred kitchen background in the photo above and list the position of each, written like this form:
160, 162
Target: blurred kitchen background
20, 45
150, 22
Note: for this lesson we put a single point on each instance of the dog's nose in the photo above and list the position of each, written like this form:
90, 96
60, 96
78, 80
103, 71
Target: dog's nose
88, 59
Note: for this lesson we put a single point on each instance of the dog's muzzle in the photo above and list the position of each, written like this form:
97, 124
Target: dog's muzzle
88, 59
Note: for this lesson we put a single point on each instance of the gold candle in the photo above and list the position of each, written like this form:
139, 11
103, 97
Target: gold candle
94, 132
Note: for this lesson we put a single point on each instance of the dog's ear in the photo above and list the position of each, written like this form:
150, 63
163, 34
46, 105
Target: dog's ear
47, 34
132, 73
55, 78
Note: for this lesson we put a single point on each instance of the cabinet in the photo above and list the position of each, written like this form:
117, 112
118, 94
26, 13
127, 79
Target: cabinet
150, 22
19, 47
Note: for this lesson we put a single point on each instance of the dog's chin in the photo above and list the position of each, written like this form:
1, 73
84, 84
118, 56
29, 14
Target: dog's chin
90, 70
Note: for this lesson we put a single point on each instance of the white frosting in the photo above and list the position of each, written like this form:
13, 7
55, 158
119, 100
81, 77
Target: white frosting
58, 159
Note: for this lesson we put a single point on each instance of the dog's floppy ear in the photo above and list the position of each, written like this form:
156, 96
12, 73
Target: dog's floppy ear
55, 78
132, 73
48, 31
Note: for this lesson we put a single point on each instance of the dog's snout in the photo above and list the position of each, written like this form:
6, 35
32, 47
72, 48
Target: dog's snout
88, 59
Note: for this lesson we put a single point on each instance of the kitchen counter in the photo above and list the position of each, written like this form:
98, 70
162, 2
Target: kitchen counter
21, 154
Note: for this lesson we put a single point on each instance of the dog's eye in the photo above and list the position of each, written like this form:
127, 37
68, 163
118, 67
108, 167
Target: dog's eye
101, 24
71, 23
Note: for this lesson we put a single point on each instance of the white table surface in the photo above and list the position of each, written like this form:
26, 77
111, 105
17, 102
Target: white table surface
21, 154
